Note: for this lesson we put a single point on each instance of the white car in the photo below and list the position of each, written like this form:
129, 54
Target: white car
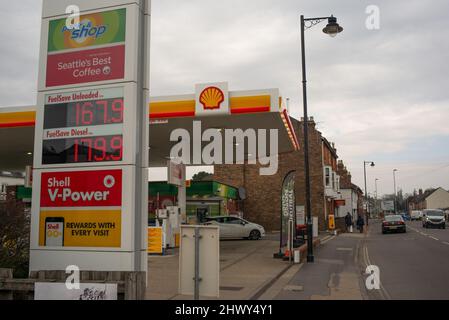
415, 215
434, 218
233, 227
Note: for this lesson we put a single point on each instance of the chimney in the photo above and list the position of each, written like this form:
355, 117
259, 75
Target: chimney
311, 122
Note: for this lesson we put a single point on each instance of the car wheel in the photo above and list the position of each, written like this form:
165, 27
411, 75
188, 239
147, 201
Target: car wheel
254, 235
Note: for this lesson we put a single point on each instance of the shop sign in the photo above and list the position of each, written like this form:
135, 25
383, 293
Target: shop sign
81, 189
85, 66
94, 29
212, 99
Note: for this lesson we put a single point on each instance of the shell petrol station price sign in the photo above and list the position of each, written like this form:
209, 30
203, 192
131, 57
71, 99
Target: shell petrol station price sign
86, 127
85, 210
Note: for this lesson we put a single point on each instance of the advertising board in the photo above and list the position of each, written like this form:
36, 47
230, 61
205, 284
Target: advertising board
92, 51
176, 173
89, 212
387, 205
92, 65
89, 190
212, 99
288, 205
95, 29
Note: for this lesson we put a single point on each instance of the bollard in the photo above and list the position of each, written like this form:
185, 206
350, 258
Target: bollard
297, 256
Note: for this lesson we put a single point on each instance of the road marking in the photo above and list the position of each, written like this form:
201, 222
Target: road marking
327, 239
434, 238
383, 292
446, 243
345, 249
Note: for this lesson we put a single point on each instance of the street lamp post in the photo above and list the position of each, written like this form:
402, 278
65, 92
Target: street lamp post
394, 182
371, 163
331, 29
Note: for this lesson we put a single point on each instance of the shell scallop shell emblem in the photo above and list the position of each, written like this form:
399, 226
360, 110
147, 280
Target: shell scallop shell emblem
211, 98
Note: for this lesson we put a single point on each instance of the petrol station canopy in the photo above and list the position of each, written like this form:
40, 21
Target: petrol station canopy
216, 109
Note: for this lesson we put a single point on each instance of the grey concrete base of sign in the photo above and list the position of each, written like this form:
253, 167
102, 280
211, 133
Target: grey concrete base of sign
130, 285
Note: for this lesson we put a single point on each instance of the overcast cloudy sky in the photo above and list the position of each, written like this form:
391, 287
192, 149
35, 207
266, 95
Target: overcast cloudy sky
380, 95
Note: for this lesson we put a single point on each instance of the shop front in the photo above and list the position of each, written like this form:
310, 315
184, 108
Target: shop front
204, 199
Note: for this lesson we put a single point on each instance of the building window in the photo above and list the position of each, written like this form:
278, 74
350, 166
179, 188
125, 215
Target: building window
333, 180
338, 183
3, 189
327, 175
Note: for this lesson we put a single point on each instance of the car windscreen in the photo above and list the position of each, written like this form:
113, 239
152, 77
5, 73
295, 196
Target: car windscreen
435, 213
393, 218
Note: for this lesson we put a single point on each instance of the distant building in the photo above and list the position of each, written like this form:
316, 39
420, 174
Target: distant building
351, 194
430, 199
9, 179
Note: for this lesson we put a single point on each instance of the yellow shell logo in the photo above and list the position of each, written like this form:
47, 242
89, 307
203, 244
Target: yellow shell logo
211, 98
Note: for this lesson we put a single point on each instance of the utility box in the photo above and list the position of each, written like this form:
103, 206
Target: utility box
315, 227
206, 265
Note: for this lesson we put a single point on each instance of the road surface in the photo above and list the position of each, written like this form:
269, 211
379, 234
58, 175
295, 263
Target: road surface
414, 265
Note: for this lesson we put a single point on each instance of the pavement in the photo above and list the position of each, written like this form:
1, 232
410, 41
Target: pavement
248, 271
334, 275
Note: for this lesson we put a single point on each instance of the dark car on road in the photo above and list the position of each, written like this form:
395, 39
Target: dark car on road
393, 223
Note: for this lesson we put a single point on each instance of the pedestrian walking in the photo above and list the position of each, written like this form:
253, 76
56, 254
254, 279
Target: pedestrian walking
348, 222
360, 223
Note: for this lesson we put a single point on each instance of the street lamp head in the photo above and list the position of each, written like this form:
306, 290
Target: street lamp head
372, 164
395, 170
332, 28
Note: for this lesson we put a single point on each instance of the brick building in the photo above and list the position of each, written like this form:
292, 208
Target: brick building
263, 202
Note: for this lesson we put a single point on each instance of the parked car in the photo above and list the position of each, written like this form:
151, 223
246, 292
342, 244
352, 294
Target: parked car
405, 216
234, 227
434, 218
416, 215
393, 223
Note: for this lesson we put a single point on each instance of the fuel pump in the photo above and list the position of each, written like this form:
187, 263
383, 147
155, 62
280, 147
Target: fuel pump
162, 214
173, 226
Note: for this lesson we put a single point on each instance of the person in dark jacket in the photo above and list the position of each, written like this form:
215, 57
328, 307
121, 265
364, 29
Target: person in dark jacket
348, 222
360, 223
